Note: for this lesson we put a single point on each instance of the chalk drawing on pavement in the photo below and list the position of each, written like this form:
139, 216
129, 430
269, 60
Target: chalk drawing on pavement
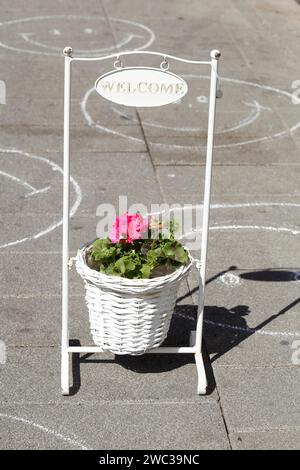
48, 35
31, 192
50, 432
259, 109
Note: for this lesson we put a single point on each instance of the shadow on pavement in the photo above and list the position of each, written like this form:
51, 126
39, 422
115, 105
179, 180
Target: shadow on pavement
183, 321
224, 329
270, 275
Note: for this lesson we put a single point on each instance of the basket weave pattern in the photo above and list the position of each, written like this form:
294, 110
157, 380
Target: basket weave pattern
129, 316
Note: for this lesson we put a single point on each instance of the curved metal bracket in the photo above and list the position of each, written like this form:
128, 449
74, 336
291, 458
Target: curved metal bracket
215, 54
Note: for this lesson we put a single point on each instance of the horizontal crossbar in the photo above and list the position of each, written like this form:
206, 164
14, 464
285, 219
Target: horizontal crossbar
122, 54
161, 350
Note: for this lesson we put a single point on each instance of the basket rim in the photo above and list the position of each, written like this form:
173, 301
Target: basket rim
118, 282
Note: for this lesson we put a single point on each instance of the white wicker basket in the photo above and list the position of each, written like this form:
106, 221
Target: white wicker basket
129, 316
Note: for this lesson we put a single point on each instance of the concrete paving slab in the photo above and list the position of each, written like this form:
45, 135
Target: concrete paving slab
97, 177
254, 41
259, 398
266, 250
36, 320
42, 140
283, 439
232, 345
44, 112
19, 274
188, 151
187, 183
32, 375
115, 426
82, 230
243, 325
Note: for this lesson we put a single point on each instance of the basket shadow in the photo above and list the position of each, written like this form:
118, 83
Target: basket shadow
224, 329
178, 335
217, 340
183, 322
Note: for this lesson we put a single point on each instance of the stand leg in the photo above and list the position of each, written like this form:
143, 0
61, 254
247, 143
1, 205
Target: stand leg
202, 380
66, 214
65, 385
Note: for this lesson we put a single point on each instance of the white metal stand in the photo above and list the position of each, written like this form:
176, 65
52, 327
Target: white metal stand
195, 346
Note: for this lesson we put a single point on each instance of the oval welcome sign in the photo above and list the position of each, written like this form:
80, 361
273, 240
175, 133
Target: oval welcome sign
141, 86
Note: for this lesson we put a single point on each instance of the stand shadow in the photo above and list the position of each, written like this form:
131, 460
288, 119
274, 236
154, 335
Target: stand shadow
224, 329
77, 360
183, 322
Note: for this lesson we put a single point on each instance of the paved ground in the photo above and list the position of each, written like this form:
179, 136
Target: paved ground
252, 311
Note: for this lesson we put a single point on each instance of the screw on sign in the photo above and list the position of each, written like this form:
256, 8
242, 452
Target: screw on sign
2, 352
296, 353
2, 92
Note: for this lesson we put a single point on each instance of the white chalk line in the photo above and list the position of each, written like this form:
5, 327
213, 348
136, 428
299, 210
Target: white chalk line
253, 115
240, 328
93, 124
256, 227
28, 186
252, 204
253, 330
38, 191
68, 17
230, 279
54, 167
247, 227
281, 134
292, 231
228, 206
243, 227
27, 37
48, 431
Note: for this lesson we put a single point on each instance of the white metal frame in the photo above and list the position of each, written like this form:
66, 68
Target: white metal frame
196, 336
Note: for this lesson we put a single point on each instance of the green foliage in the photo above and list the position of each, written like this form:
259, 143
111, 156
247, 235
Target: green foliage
137, 260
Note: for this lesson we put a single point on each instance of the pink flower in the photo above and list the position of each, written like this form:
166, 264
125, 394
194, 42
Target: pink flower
128, 227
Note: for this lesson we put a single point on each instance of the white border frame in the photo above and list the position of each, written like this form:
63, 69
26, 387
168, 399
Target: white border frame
196, 336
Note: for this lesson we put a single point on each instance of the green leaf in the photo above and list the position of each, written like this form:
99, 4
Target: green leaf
129, 265
101, 243
110, 270
154, 254
103, 251
119, 266
169, 250
180, 255
141, 259
146, 271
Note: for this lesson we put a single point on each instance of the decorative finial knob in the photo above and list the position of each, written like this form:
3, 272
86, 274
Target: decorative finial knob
215, 54
68, 51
